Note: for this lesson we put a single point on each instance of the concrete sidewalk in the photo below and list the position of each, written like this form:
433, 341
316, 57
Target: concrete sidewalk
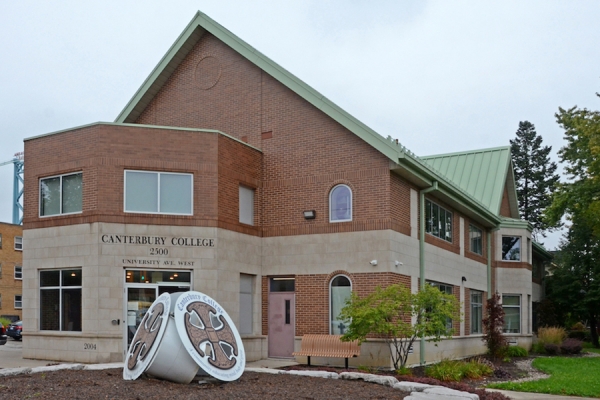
11, 358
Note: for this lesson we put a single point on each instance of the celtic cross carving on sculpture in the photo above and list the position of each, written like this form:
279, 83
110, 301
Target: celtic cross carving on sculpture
146, 335
205, 328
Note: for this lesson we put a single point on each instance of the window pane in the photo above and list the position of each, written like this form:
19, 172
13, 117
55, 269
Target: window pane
245, 313
246, 205
339, 295
49, 278
141, 191
283, 285
49, 309
476, 312
511, 300
50, 196
341, 203
176, 193
428, 217
18, 272
71, 193
71, 310
475, 235
512, 323
511, 248
71, 277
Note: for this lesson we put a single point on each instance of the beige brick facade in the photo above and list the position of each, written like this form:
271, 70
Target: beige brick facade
11, 283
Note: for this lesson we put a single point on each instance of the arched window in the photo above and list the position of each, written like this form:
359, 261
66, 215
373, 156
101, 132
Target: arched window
340, 204
339, 291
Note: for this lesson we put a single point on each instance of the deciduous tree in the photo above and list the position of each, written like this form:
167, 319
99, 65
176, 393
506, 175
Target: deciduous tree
387, 313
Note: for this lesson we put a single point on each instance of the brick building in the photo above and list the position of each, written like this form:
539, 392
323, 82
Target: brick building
228, 175
11, 271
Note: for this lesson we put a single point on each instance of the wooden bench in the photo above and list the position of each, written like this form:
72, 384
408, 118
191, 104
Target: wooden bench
327, 346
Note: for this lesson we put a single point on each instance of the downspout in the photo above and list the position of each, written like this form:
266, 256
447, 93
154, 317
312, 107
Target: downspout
434, 186
489, 265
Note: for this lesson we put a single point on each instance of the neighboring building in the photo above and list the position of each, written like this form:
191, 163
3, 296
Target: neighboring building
11, 271
227, 175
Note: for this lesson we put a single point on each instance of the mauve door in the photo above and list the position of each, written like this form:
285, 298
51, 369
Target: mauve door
281, 324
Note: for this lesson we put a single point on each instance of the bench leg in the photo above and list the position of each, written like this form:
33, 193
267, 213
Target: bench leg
308, 360
346, 362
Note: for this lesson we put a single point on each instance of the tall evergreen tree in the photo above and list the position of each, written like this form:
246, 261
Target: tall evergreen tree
534, 175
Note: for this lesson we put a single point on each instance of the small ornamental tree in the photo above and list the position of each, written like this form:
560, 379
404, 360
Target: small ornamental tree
387, 313
493, 325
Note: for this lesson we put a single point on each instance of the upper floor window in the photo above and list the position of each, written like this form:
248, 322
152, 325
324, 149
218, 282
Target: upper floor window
438, 221
476, 240
18, 243
18, 301
340, 204
61, 194
246, 205
158, 192
18, 272
339, 291
511, 248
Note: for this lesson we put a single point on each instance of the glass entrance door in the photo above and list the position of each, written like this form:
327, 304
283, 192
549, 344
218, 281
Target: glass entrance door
139, 300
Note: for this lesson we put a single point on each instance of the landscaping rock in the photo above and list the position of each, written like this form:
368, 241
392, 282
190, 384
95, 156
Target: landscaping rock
411, 386
315, 374
451, 393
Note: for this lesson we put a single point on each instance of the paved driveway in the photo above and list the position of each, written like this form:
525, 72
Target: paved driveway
11, 356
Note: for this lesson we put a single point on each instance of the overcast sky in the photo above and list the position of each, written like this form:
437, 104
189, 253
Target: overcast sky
440, 76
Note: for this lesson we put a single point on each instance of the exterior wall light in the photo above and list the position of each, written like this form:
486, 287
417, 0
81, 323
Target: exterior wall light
397, 263
310, 214
464, 279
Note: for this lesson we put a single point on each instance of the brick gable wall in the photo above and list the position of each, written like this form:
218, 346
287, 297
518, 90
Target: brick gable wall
305, 152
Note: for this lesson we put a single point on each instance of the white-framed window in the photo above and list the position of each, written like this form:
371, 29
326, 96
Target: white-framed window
60, 300
18, 272
246, 303
0, 241
446, 289
340, 204
340, 289
18, 301
18, 243
475, 239
61, 194
158, 192
438, 221
476, 311
246, 205
511, 304
511, 248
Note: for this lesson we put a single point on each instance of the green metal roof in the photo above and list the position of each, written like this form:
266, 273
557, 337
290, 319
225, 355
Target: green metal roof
540, 251
483, 174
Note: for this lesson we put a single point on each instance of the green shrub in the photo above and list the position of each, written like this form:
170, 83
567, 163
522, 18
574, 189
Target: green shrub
571, 346
454, 370
5, 322
476, 370
538, 347
404, 371
445, 370
516, 351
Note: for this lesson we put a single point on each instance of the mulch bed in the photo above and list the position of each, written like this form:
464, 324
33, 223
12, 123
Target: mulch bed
109, 384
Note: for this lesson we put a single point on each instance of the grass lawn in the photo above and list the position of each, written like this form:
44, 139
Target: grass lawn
569, 376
